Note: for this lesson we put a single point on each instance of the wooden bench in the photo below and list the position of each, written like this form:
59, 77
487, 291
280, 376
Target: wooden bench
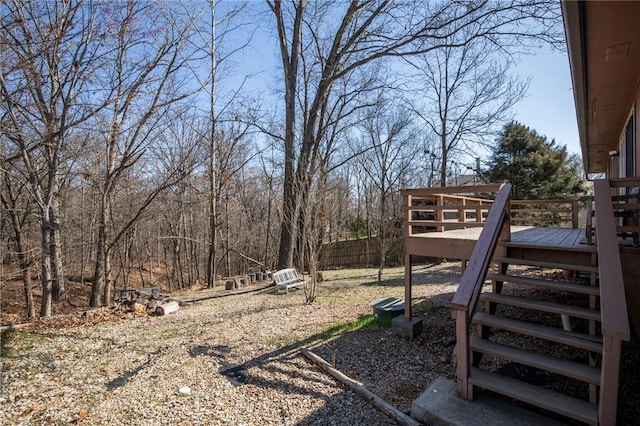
286, 279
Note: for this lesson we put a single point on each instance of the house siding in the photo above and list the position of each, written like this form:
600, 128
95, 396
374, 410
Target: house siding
636, 132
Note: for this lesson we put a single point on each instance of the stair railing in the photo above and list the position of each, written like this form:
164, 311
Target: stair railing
613, 304
465, 300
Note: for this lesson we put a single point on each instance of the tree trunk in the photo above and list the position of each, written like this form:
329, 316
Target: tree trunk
445, 156
211, 260
382, 229
99, 272
97, 288
23, 254
140, 262
108, 282
290, 56
287, 234
165, 254
177, 264
266, 256
25, 266
58, 283
28, 292
211, 263
45, 263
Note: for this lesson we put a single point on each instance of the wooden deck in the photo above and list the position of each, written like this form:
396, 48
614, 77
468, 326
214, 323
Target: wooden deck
484, 238
458, 243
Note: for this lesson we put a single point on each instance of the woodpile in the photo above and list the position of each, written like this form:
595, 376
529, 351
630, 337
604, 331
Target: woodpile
145, 303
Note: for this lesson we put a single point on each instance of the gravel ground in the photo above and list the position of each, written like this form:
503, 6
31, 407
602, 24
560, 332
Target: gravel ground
238, 356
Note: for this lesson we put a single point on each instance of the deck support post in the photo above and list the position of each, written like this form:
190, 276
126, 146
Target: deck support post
405, 325
407, 286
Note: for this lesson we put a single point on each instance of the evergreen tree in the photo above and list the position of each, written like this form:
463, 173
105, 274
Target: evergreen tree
535, 167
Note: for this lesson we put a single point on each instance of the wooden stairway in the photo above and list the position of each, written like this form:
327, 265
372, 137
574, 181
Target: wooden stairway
543, 327
543, 332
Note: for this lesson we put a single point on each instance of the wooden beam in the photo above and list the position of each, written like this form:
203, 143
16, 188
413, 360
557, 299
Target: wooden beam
407, 286
451, 190
462, 355
398, 416
610, 373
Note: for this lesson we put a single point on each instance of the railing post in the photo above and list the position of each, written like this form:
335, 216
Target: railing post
505, 235
609, 373
462, 354
575, 206
408, 229
440, 212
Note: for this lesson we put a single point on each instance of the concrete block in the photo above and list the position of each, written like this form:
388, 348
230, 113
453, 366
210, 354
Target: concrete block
440, 405
406, 328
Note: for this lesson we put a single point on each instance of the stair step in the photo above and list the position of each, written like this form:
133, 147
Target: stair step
555, 365
556, 285
557, 335
583, 247
538, 305
544, 264
534, 395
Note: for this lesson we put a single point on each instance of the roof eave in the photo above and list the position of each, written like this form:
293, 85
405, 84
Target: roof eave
573, 17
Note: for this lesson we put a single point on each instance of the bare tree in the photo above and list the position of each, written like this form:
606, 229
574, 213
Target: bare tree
146, 77
465, 93
51, 52
386, 165
347, 36
183, 142
210, 39
19, 211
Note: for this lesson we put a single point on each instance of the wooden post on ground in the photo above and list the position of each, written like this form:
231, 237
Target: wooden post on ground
388, 409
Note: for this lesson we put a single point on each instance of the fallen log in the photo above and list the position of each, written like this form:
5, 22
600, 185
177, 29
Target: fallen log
380, 404
11, 327
167, 308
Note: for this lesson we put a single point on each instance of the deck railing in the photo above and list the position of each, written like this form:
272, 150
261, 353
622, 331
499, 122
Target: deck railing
626, 207
445, 208
557, 213
466, 298
613, 305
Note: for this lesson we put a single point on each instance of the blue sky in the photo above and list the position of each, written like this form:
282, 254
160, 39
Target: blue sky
549, 108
